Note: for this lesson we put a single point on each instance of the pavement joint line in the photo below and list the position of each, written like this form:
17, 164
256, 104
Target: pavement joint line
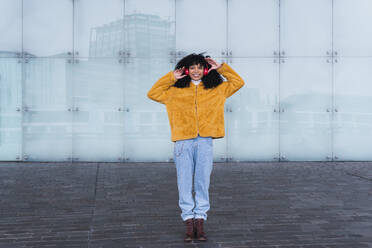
356, 175
94, 205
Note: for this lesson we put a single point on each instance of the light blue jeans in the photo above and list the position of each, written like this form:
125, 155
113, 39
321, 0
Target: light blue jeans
194, 162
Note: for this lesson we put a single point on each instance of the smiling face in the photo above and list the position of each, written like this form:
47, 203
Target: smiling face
196, 71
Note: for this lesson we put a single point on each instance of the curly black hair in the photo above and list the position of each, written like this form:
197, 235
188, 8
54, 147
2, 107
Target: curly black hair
211, 80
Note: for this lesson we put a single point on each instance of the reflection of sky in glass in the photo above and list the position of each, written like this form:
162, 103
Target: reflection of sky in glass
10, 25
164, 9
91, 14
47, 27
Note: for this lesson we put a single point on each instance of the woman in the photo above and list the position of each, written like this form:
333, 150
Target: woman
194, 95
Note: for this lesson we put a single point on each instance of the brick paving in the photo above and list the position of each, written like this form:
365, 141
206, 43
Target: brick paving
258, 204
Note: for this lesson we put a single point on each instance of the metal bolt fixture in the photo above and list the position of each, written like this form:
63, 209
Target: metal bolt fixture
25, 157
336, 60
328, 61
328, 110
71, 109
18, 109
282, 110
336, 157
274, 52
222, 53
283, 157
230, 53
282, 61
274, 110
335, 53
328, 157
283, 52
69, 53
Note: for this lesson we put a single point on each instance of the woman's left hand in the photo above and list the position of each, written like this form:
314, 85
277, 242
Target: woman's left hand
213, 63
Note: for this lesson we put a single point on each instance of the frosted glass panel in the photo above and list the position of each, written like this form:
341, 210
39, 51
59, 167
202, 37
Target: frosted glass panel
10, 28
353, 102
306, 27
149, 28
352, 27
146, 125
252, 124
10, 109
305, 96
47, 27
99, 29
98, 113
247, 19
201, 27
46, 120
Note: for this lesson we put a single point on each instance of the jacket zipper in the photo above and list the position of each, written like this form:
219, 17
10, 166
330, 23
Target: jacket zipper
196, 108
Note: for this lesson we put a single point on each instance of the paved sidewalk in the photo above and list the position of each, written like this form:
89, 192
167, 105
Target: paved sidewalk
281, 205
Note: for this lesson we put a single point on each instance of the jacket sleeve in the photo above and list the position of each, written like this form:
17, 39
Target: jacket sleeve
234, 81
159, 91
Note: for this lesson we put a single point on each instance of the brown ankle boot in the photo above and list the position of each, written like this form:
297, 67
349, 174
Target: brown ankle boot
200, 235
189, 236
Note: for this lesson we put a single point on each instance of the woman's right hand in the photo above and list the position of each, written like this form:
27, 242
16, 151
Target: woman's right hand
178, 73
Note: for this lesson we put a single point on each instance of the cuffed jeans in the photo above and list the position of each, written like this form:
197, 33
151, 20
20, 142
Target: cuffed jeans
194, 159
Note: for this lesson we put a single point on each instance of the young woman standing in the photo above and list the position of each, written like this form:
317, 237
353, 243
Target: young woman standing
194, 95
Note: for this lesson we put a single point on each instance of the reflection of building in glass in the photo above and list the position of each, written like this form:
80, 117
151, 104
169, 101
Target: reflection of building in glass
142, 35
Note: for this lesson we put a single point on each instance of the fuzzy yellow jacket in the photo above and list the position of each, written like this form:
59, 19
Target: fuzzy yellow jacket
194, 110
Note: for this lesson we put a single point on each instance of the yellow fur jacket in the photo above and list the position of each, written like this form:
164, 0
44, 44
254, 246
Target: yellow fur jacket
194, 110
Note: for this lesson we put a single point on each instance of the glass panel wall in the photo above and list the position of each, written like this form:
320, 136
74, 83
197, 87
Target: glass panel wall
252, 114
253, 28
305, 104
201, 27
11, 28
74, 76
352, 27
352, 108
47, 28
46, 101
305, 27
10, 109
